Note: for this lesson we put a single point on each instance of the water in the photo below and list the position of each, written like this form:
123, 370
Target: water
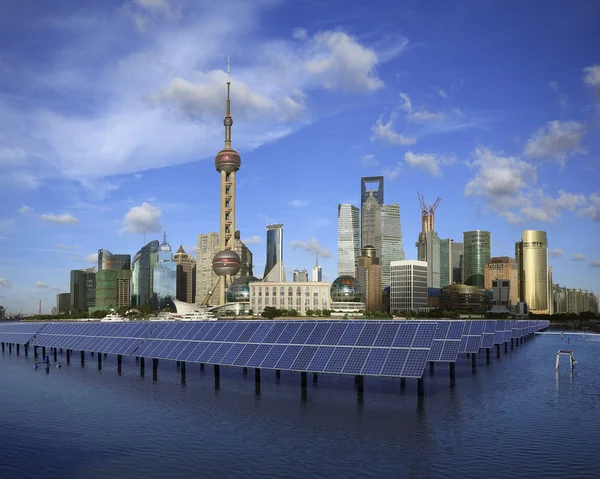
515, 417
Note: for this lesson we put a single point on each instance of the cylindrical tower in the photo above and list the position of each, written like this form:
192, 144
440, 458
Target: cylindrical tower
226, 263
534, 272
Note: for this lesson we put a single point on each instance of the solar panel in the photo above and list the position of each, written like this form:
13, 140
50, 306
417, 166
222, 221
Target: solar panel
288, 357
450, 351
320, 359
415, 363
351, 334
424, 335
356, 361
258, 356
337, 360
375, 361
307, 353
394, 362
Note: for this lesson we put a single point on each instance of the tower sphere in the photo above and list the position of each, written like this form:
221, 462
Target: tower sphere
226, 262
346, 289
239, 291
228, 160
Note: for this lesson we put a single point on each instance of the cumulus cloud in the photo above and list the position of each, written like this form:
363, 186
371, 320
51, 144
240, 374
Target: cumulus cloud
428, 162
578, 257
41, 284
595, 263
394, 172
64, 219
592, 210
24, 209
591, 78
369, 160
311, 246
299, 33
557, 140
252, 240
418, 115
556, 253
562, 98
142, 219
154, 5
5, 283
385, 132
92, 258
65, 247
299, 203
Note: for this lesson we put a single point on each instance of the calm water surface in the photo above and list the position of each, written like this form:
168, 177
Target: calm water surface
514, 417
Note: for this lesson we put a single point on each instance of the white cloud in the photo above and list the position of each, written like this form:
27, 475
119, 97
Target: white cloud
252, 240
556, 253
41, 284
595, 263
591, 78
369, 160
385, 132
56, 288
25, 209
12, 156
394, 172
441, 92
5, 283
570, 201
311, 246
154, 5
578, 257
428, 162
64, 219
593, 209
299, 33
142, 219
557, 140
299, 203
418, 116
92, 258
562, 98
65, 247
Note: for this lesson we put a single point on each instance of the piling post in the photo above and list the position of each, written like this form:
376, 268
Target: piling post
474, 361
245, 371
315, 378
82, 359
17, 349
505, 348
497, 350
154, 369
360, 383
99, 361
431, 366
452, 373
303, 380
257, 375
10, 347
2, 347
277, 375
26, 348
55, 358
68, 356
43, 351
217, 371
182, 371
35, 353
142, 366
119, 362
421, 386
487, 355
105, 354
201, 366
402, 384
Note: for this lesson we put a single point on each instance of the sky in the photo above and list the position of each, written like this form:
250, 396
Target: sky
111, 113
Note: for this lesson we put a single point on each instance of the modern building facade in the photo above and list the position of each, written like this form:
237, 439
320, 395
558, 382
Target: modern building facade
186, 276
348, 238
505, 269
113, 281
572, 300
371, 222
83, 290
63, 303
317, 271
369, 276
142, 274
392, 248
165, 278
408, 291
300, 276
467, 298
274, 268
451, 262
377, 194
346, 298
501, 291
534, 281
208, 247
433, 258
477, 252
457, 259
284, 295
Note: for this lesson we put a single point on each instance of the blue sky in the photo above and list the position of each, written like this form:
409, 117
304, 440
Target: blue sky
111, 114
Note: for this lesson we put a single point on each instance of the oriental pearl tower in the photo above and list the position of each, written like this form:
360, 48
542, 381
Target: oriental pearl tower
226, 263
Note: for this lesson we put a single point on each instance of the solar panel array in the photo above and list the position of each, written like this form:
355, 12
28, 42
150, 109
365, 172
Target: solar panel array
110, 338
19, 333
446, 342
472, 338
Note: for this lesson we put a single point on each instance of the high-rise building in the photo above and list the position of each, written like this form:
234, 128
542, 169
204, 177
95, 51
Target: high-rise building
433, 258
371, 222
317, 271
186, 276
83, 290
113, 280
391, 240
63, 303
369, 276
300, 276
142, 274
445, 262
408, 291
457, 259
376, 193
274, 269
107, 260
504, 269
569, 300
348, 238
165, 277
3, 313
246, 267
477, 252
531, 254
208, 247
226, 263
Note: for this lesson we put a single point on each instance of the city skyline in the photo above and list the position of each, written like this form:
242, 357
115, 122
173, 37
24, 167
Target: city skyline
493, 153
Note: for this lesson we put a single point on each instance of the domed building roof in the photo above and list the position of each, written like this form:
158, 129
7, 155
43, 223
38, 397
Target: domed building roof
346, 289
239, 291
226, 262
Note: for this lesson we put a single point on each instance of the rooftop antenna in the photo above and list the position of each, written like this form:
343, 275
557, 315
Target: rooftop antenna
317, 263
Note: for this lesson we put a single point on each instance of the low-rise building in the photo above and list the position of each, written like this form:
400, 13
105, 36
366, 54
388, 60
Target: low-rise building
466, 297
300, 296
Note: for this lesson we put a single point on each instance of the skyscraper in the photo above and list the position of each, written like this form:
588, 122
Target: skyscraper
165, 277
456, 259
433, 246
226, 263
317, 271
300, 276
348, 239
142, 280
113, 280
477, 252
186, 276
274, 269
371, 222
377, 193
83, 290
369, 274
208, 247
391, 240
534, 276
505, 270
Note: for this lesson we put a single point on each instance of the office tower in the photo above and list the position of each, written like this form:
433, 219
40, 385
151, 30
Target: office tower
83, 290
391, 240
63, 302
3, 312
427, 224
531, 254
246, 267
226, 263
504, 270
457, 259
113, 280
165, 277
317, 271
142, 274
300, 276
371, 222
186, 276
477, 252
208, 247
408, 291
445, 262
433, 255
348, 239
274, 269
369, 276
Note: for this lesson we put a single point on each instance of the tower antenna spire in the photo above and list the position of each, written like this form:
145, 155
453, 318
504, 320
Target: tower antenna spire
228, 120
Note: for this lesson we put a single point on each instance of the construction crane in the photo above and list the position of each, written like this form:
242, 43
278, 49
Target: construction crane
427, 213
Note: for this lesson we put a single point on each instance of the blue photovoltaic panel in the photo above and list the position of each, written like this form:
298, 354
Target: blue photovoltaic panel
368, 334
406, 335
320, 359
375, 361
473, 344
386, 335
220, 353
442, 330
318, 333
306, 355
450, 351
273, 356
334, 334
248, 332
415, 363
261, 333
288, 333
351, 334
424, 336
244, 356
259, 355
235, 333
435, 352
288, 357
337, 360
303, 333
225, 331
356, 361
277, 329
394, 362
232, 354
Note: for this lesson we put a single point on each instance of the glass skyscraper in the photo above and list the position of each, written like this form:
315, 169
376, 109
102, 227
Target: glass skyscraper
113, 280
143, 274
535, 285
391, 240
165, 278
274, 269
348, 239
477, 252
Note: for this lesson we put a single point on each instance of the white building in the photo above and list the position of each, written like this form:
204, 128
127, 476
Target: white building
408, 291
298, 296
348, 239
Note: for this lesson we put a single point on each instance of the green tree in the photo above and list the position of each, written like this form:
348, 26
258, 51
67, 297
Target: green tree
293, 313
309, 312
270, 313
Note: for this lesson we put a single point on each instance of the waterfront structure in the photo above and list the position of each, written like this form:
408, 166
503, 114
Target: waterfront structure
226, 263
142, 274
317, 271
287, 295
186, 276
348, 238
408, 291
505, 269
369, 276
534, 281
300, 276
274, 268
83, 290
346, 297
477, 252
165, 278
466, 297
63, 302
113, 281
391, 240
